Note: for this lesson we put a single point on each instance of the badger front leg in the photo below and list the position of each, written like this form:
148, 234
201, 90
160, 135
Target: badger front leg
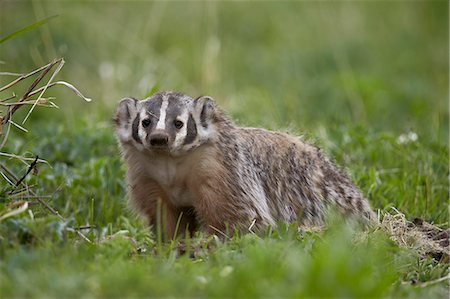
149, 200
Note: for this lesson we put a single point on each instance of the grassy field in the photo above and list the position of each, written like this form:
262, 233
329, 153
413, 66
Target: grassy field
366, 81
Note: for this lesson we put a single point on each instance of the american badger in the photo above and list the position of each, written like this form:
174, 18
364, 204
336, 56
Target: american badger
190, 167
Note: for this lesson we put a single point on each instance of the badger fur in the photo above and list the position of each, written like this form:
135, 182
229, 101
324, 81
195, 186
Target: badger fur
190, 167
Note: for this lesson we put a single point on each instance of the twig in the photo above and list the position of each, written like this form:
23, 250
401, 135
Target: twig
17, 192
6, 135
24, 77
31, 102
59, 67
64, 83
32, 166
86, 227
34, 197
43, 102
21, 158
18, 126
57, 189
19, 210
10, 98
10, 74
220, 232
6, 178
45, 69
251, 226
428, 283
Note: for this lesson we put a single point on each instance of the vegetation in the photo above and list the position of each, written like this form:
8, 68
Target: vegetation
366, 81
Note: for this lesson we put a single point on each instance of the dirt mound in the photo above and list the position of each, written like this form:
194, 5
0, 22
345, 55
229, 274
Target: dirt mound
419, 235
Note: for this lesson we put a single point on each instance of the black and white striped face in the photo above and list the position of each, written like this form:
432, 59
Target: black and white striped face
167, 122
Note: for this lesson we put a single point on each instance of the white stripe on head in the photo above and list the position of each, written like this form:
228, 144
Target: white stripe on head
181, 134
162, 113
141, 131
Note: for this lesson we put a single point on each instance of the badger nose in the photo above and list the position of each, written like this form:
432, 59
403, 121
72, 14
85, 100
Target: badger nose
159, 140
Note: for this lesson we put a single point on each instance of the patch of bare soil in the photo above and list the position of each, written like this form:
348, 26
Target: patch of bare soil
424, 237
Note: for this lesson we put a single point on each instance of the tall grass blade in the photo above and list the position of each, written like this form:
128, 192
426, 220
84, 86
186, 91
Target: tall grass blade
27, 28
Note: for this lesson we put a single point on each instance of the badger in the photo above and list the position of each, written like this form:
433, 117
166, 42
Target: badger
191, 168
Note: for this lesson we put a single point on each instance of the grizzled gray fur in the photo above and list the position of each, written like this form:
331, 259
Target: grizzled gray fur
188, 162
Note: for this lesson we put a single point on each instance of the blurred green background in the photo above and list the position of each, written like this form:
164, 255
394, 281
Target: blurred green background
380, 64
365, 80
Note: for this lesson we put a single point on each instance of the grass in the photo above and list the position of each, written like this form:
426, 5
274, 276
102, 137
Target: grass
357, 78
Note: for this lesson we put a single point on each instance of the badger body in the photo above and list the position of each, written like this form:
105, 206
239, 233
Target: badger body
190, 167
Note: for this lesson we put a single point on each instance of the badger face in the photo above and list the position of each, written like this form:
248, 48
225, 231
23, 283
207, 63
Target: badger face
166, 123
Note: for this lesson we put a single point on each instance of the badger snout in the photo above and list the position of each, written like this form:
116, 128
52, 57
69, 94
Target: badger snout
159, 139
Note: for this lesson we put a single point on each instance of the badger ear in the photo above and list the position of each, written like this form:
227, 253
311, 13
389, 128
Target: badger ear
126, 111
205, 109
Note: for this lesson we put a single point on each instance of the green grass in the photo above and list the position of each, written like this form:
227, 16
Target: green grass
353, 77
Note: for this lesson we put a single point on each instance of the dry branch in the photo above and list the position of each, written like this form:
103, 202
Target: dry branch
32, 166
20, 188
44, 70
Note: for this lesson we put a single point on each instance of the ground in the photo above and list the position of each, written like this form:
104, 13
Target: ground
365, 81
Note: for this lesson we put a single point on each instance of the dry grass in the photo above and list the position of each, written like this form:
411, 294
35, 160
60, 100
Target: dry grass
34, 96
419, 235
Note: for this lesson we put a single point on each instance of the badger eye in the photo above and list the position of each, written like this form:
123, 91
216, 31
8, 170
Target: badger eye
178, 124
146, 122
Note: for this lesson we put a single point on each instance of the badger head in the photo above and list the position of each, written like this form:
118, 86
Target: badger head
166, 123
